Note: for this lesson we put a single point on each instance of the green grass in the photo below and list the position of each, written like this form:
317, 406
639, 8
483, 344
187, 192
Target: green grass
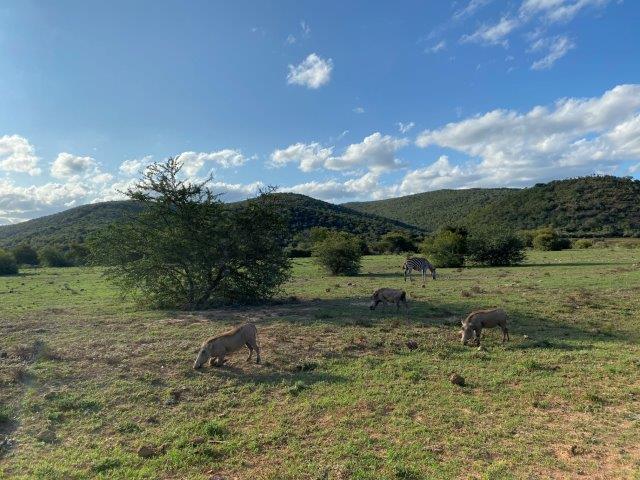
339, 395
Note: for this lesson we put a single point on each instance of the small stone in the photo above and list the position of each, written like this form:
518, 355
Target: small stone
526, 337
147, 451
198, 441
457, 380
412, 344
47, 436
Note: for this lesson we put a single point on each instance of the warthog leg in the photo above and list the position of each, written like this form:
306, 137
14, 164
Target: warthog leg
250, 351
505, 334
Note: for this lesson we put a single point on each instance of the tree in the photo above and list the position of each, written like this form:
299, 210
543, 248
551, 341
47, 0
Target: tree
26, 255
495, 247
52, 257
8, 265
445, 249
186, 249
547, 239
340, 253
396, 242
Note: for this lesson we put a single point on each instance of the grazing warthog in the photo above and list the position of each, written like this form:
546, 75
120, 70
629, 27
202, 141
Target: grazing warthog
476, 321
214, 349
386, 295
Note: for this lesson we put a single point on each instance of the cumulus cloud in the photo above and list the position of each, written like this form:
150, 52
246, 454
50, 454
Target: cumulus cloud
313, 72
309, 156
67, 166
555, 48
18, 155
358, 110
375, 152
194, 161
575, 136
495, 34
361, 188
135, 165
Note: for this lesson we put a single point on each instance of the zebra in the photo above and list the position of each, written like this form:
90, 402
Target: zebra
418, 264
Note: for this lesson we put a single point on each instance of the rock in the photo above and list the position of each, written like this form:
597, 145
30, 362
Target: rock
197, 441
526, 337
47, 436
412, 344
457, 380
148, 451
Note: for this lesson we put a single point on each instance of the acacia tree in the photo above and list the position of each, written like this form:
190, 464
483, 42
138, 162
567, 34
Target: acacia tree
187, 249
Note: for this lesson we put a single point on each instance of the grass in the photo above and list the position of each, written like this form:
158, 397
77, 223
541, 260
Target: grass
87, 378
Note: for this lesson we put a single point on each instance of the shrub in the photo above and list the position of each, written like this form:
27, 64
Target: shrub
583, 243
52, 257
187, 249
548, 239
495, 247
445, 249
8, 265
26, 255
396, 242
340, 253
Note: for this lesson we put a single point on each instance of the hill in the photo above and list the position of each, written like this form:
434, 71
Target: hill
432, 210
76, 224
586, 206
67, 227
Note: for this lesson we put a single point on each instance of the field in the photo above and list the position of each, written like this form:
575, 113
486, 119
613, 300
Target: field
87, 378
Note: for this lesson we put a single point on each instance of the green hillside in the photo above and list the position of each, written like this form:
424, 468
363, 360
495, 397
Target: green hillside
586, 206
76, 224
64, 228
432, 210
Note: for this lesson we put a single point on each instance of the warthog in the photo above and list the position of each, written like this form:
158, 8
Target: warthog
386, 295
476, 321
214, 349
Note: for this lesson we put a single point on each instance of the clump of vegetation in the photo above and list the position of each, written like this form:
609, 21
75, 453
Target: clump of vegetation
26, 255
8, 265
340, 253
187, 250
495, 247
447, 248
397, 241
53, 257
582, 243
547, 239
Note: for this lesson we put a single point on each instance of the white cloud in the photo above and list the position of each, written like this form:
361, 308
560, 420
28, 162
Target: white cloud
469, 9
405, 127
439, 174
358, 110
135, 165
67, 166
555, 47
441, 45
306, 29
493, 34
232, 192
375, 152
18, 155
361, 188
557, 10
291, 39
313, 72
194, 161
576, 136
309, 156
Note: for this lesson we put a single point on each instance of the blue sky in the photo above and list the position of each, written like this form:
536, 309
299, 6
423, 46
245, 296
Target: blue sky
340, 100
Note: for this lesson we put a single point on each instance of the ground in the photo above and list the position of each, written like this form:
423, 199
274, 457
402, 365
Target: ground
88, 378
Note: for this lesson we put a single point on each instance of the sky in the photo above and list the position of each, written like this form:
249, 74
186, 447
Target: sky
339, 100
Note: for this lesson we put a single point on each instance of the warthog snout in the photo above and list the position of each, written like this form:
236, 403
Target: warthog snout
201, 359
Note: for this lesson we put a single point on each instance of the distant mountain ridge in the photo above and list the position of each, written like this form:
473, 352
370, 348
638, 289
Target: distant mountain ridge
432, 210
77, 224
585, 206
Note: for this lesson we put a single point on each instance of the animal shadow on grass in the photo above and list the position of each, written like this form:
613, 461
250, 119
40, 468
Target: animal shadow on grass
273, 376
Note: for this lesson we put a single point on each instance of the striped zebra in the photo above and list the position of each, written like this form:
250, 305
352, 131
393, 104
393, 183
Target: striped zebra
420, 265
